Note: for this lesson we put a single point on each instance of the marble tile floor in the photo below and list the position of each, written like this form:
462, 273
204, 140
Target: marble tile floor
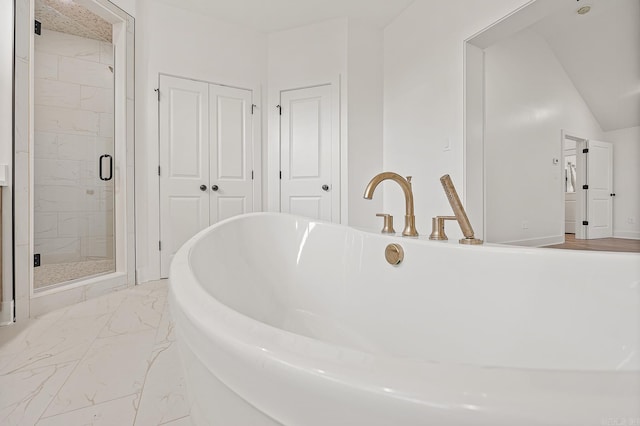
107, 361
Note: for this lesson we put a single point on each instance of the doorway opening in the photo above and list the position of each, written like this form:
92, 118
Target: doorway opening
74, 146
588, 187
76, 211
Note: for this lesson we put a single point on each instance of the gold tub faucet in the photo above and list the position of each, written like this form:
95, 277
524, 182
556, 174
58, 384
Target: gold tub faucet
405, 184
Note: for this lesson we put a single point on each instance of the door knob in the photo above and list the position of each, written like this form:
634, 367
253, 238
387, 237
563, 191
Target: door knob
325, 188
214, 188
203, 187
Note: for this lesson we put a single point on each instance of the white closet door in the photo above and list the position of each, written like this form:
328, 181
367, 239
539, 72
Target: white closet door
305, 144
599, 194
184, 163
231, 155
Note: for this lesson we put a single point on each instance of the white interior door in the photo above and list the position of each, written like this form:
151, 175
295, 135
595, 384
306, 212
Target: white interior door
231, 152
600, 191
305, 146
570, 213
184, 163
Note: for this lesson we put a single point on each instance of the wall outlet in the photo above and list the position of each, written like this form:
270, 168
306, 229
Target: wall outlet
525, 224
446, 146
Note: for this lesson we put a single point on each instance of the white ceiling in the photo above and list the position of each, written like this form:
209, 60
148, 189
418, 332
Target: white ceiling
600, 51
276, 15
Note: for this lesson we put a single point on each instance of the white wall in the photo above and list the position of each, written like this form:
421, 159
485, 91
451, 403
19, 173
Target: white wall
529, 100
365, 81
73, 98
301, 57
423, 99
178, 42
128, 6
626, 179
348, 53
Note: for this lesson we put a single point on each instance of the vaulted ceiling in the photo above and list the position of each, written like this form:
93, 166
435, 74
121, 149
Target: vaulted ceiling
600, 51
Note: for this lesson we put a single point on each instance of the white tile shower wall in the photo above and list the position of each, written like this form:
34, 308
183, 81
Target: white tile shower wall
73, 208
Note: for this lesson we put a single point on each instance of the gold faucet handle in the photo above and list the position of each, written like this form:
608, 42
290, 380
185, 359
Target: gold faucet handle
437, 227
388, 223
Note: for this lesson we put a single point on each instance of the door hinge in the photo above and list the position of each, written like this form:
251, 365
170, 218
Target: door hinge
585, 151
585, 222
279, 109
158, 170
585, 186
280, 175
251, 174
38, 28
159, 245
158, 92
36, 260
253, 106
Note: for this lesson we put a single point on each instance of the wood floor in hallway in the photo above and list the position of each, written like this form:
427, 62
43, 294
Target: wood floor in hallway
601, 244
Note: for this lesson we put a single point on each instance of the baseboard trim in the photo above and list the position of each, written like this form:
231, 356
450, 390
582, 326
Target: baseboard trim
537, 242
626, 235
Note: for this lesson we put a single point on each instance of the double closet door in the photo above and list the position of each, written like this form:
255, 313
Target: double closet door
206, 159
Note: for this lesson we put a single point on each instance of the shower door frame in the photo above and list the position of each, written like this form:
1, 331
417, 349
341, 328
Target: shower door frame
28, 301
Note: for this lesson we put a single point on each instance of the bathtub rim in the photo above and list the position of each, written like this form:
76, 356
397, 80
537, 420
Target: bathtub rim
252, 340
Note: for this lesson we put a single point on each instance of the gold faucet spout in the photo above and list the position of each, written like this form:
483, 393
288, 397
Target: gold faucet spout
405, 184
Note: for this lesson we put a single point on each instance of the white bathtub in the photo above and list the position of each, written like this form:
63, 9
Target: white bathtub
285, 321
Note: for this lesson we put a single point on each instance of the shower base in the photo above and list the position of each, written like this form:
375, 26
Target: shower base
57, 273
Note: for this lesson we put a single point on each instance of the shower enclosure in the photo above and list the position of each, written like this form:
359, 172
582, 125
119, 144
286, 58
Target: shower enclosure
73, 144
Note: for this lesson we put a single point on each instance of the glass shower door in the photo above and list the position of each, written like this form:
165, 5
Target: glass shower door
74, 152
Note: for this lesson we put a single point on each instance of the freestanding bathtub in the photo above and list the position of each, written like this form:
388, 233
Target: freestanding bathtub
283, 320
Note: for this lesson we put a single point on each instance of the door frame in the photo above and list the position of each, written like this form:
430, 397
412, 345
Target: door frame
580, 178
27, 302
257, 163
338, 154
7, 13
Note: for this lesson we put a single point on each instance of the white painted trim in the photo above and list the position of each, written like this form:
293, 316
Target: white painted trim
118, 278
340, 175
81, 293
563, 185
630, 235
474, 181
581, 167
123, 184
256, 139
8, 307
7, 58
536, 242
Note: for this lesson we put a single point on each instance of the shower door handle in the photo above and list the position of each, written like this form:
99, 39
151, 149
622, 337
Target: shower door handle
102, 176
